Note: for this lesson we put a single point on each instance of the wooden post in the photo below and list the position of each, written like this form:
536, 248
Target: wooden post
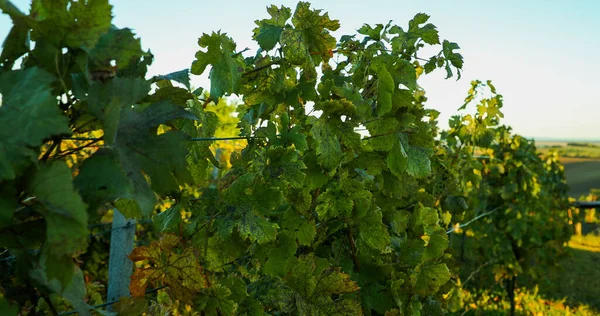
120, 266
581, 205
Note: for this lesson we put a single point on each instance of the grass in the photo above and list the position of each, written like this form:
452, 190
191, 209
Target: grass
579, 280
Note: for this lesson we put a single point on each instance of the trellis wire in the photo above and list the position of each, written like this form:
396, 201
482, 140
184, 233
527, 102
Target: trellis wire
113, 302
472, 220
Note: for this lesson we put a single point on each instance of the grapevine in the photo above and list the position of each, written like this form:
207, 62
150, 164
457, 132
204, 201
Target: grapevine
337, 198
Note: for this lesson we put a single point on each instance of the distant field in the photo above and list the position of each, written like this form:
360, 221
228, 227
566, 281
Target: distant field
571, 150
582, 175
582, 164
562, 143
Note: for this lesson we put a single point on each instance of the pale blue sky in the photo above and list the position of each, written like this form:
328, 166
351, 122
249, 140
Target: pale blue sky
541, 55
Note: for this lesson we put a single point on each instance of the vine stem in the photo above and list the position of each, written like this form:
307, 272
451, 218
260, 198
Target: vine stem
203, 225
50, 304
74, 150
380, 135
50, 150
59, 73
353, 249
476, 271
257, 69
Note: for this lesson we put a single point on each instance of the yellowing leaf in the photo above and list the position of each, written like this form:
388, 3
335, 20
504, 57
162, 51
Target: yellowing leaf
180, 271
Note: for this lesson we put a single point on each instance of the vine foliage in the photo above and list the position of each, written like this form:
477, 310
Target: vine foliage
314, 215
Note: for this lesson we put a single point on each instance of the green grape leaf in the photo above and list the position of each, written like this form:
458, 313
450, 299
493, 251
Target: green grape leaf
119, 45
455, 300
426, 216
285, 164
372, 231
222, 298
26, 235
429, 278
385, 86
365, 176
333, 203
383, 133
328, 149
303, 230
51, 272
397, 159
273, 292
268, 32
237, 286
294, 49
227, 66
75, 293
315, 282
418, 164
455, 204
281, 255
427, 32
60, 275
176, 95
128, 306
130, 208
26, 98
430, 65
315, 30
268, 36
436, 243
199, 153
405, 73
336, 108
221, 252
16, 43
452, 58
13, 11
106, 101
376, 297
73, 24
168, 220
315, 175
101, 179
432, 307
295, 137
341, 198
409, 40
182, 76
373, 33
399, 221
160, 157
64, 211
250, 226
